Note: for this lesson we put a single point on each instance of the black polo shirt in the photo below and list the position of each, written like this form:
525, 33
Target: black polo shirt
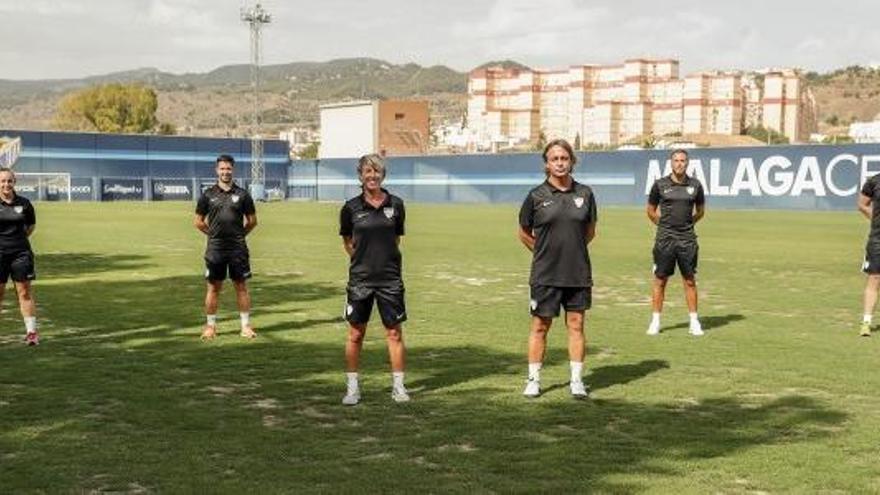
376, 261
676, 201
559, 219
225, 212
15, 217
871, 189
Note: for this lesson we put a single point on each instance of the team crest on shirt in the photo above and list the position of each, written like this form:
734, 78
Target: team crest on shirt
388, 211
19, 209
235, 198
579, 202
690, 190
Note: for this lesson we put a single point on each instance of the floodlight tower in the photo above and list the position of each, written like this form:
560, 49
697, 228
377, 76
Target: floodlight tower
256, 16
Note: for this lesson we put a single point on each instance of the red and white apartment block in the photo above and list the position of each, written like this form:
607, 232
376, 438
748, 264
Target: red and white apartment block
611, 104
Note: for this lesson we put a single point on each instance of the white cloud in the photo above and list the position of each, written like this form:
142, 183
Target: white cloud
45, 8
73, 38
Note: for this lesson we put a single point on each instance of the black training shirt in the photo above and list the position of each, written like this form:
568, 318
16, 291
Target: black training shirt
559, 220
676, 203
225, 212
871, 189
376, 261
15, 217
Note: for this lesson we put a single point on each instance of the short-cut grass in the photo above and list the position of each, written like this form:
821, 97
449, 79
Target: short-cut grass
779, 396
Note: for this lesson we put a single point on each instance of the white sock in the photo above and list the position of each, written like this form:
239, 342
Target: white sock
30, 323
212, 320
693, 316
535, 371
655, 318
866, 319
245, 319
577, 369
397, 379
351, 378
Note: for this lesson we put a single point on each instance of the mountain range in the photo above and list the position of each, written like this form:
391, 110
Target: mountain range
217, 102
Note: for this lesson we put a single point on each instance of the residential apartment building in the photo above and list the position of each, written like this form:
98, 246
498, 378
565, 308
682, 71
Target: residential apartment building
611, 104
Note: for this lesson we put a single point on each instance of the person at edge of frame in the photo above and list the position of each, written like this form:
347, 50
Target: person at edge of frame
868, 199
17, 222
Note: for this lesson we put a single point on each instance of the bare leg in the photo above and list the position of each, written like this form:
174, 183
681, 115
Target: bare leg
574, 320
353, 345
658, 293
538, 338
242, 296
396, 349
870, 299
212, 295
690, 293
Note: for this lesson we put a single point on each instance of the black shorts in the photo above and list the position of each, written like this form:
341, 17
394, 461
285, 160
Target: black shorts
671, 252
236, 263
389, 301
20, 265
871, 264
545, 300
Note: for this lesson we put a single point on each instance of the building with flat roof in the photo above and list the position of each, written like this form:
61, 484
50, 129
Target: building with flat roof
388, 127
613, 104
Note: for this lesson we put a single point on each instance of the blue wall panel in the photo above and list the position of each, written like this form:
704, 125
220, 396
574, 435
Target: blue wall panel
98, 156
786, 177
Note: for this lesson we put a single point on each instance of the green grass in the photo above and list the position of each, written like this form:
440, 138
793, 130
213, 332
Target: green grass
780, 395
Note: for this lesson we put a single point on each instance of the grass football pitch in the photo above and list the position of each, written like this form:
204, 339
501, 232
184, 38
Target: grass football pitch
779, 396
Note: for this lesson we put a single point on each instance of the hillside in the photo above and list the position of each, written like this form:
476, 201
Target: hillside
844, 96
217, 102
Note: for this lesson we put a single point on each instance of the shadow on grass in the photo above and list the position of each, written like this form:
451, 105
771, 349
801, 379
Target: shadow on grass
711, 322
620, 374
174, 415
117, 310
64, 265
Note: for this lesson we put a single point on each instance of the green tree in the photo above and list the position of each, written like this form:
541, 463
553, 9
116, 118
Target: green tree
310, 152
118, 108
166, 129
769, 136
577, 142
542, 141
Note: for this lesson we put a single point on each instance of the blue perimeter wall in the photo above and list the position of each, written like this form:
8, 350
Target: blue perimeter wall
778, 177
138, 167
134, 167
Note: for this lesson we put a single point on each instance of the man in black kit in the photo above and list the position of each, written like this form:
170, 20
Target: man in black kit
226, 214
867, 202
676, 202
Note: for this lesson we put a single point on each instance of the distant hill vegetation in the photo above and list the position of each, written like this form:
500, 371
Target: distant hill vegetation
217, 102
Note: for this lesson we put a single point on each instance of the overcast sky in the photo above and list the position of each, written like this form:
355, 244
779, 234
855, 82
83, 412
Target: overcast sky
75, 38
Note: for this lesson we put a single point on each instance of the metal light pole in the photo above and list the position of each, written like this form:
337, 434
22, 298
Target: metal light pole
256, 16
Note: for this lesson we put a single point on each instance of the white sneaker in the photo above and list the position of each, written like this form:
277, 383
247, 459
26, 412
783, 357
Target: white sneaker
579, 390
696, 329
352, 396
654, 328
399, 394
533, 388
